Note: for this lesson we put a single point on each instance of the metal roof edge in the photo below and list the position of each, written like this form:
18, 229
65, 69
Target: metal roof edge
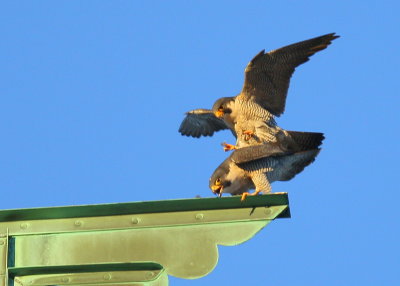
175, 205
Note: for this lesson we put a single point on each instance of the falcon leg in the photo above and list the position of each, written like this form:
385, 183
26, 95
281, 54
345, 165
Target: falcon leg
228, 147
261, 182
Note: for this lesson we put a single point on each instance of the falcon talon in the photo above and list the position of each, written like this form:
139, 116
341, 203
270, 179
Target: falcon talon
228, 147
248, 134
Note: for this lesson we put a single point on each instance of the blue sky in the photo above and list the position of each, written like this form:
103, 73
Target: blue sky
93, 93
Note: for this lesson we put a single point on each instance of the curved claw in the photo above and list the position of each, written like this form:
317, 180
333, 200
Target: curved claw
246, 194
248, 134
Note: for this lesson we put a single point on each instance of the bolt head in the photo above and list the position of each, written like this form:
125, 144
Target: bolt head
199, 216
135, 220
78, 223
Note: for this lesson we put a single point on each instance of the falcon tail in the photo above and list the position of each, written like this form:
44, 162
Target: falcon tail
295, 163
307, 140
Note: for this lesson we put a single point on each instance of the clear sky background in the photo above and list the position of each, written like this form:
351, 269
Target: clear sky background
93, 93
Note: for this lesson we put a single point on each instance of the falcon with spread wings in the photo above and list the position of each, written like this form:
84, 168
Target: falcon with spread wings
251, 114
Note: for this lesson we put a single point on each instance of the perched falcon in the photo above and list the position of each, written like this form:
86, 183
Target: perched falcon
256, 167
250, 114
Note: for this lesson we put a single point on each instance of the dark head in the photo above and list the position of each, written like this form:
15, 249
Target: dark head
220, 107
218, 179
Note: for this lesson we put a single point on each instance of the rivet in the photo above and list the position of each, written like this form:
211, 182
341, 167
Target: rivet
135, 220
1, 242
78, 223
107, 276
23, 226
150, 275
199, 216
267, 211
65, 279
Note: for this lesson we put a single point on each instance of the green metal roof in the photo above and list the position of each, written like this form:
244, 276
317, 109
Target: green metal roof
146, 207
137, 243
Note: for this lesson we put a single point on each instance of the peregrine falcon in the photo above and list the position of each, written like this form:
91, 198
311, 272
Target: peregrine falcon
250, 114
256, 167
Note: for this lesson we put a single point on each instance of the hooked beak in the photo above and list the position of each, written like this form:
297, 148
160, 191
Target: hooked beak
217, 190
219, 113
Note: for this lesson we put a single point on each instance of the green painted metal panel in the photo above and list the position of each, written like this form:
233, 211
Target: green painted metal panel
130, 243
116, 274
84, 268
186, 252
137, 221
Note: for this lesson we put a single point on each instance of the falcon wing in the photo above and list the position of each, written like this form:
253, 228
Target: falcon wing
252, 153
267, 76
201, 122
282, 168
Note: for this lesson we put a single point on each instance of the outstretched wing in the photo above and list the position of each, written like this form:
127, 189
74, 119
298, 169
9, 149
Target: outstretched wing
267, 76
201, 122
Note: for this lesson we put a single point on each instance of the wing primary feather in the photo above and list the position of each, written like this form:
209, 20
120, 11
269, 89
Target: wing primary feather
201, 122
267, 76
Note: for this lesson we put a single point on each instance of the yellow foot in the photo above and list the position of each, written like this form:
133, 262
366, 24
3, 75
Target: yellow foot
248, 134
280, 193
228, 147
244, 196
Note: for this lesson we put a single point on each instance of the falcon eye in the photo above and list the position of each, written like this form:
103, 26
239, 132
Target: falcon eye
218, 182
